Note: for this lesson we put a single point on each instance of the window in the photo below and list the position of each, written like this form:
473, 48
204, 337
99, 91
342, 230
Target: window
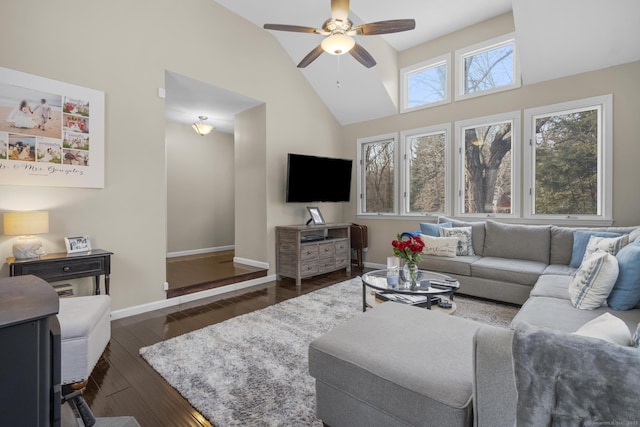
569, 160
487, 67
426, 182
487, 147
377, 175
425, 84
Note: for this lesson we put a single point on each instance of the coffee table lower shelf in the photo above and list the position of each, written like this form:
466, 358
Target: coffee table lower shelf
373, 301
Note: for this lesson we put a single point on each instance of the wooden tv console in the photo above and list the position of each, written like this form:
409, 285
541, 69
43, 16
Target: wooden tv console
308, 250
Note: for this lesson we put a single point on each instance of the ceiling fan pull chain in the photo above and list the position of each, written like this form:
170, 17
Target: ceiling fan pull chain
338, 72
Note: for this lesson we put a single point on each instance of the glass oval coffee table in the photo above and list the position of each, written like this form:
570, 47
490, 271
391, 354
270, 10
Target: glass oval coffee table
432, 286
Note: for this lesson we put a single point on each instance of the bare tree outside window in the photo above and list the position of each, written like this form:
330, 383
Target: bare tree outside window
487, 174
427, 173
566, 163
427, 86
378, 170
489, 69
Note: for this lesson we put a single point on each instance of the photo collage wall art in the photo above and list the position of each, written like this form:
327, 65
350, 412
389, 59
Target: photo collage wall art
51, 133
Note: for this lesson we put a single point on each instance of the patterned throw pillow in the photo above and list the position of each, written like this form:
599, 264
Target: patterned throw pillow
593, 281
635, 341
608, 244
463, 234
439, 246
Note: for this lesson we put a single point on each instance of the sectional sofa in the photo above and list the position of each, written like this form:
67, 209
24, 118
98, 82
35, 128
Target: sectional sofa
398, 365
509, 259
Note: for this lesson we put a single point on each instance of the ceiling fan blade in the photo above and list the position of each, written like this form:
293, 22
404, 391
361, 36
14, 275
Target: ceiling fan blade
339, 10
384, 27
311, 56
362, 56
292, 28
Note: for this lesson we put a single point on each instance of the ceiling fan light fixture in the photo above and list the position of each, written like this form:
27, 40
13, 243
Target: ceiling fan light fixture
201, 127
338, 44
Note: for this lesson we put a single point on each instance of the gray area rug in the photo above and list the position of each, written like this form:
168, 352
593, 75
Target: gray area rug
252, 370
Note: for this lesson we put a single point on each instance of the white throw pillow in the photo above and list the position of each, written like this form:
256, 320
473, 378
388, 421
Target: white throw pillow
439, 246
607, 327
463, 234
594, 281
611, 245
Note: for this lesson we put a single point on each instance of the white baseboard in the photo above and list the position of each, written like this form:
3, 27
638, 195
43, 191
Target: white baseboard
374, 265
169, 302
251, 262
200, 251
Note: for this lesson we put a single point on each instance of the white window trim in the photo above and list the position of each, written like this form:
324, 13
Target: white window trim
605, 154
404, 83
478, 48
361, 178
404, 182
514, 117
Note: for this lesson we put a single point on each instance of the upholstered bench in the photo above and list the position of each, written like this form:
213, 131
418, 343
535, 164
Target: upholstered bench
394, 366
85, 329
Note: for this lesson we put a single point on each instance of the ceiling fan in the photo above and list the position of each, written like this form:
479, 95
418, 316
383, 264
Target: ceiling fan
339, 32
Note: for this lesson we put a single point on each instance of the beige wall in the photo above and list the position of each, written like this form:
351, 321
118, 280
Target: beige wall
123, 48
621, 81
200, 189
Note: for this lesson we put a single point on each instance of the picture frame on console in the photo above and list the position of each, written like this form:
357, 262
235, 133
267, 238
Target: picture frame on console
316, 216
77, 244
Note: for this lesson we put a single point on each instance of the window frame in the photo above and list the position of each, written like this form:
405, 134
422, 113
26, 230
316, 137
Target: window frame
361, 180
405, 185
516, 142
479, 48
411, 69
602, 103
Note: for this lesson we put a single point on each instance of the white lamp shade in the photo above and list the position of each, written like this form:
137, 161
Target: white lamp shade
26, 223
338, 44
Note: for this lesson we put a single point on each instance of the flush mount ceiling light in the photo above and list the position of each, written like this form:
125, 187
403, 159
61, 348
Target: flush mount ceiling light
201, 127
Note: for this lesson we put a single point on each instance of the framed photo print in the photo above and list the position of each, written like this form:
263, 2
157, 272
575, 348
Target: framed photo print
316, 216
77, 244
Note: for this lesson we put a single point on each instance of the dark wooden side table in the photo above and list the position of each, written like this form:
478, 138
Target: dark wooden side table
64, 266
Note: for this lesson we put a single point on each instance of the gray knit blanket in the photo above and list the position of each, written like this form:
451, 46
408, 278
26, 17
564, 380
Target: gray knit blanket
569, 380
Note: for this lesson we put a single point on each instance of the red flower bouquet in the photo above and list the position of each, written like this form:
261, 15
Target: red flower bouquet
408, 247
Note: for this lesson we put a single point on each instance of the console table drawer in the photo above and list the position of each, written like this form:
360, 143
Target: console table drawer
326, 250
342, 262
308, 252
308, 269
53, 270
342, 246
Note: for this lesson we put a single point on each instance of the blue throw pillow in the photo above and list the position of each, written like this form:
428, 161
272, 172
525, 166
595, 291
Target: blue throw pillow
433, 229
580, 242
625, 294
411, 233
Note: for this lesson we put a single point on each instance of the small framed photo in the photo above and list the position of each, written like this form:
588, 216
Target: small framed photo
77, 244
316, 216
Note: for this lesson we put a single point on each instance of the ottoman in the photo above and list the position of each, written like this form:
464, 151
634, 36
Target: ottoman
85, 329
395, 365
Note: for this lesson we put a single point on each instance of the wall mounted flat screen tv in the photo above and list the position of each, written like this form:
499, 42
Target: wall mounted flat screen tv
318, 179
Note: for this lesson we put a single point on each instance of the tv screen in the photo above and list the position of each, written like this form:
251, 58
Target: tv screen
318, 179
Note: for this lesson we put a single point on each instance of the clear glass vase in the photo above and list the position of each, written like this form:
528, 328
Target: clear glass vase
410, 273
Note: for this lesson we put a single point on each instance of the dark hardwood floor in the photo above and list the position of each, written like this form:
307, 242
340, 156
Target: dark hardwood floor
122, 383
194, 273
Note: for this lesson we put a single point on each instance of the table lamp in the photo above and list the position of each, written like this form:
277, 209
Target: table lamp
26, 225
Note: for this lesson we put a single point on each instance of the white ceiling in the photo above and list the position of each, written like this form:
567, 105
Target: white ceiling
186, 99
554, 38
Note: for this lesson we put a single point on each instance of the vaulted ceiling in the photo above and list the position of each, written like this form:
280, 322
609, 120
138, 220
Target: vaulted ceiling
555, 38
